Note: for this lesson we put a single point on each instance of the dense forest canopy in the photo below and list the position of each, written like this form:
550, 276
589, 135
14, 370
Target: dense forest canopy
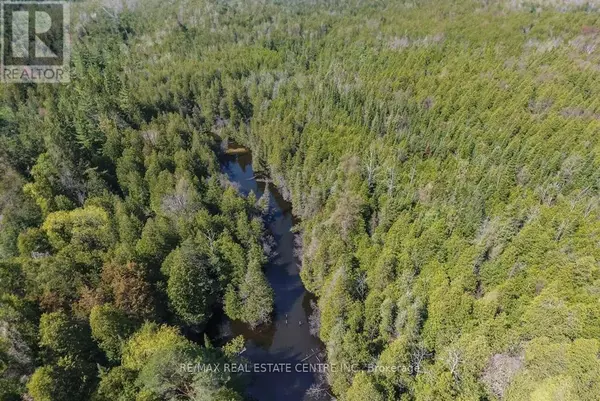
443, 158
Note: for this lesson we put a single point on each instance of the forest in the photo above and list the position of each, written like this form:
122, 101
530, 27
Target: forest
442, 158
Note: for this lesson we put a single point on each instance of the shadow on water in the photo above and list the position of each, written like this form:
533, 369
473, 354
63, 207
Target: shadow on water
287, 339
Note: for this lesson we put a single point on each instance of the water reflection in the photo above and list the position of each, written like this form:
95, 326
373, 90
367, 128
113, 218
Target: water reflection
287, 339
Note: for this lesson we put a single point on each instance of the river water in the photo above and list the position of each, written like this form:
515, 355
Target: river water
287, 339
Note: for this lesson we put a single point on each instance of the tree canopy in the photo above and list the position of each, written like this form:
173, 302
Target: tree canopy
442, 159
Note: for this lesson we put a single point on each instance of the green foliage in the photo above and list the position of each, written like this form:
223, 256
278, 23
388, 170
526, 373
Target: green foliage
82, 235
11, 278
191, 285
363, 389
164, 376
155, 361
118, 384
255, 295
146, 342
110, 327
18, 343
157, 240
79, 227
18, 211
565, 370
62, 335
234, 347
68, 379
442, 158
113, 212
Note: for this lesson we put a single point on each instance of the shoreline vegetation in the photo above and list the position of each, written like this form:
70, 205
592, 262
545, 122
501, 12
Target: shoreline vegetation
236, 150
289, 336
442, 159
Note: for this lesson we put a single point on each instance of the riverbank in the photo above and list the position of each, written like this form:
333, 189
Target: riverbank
287, 339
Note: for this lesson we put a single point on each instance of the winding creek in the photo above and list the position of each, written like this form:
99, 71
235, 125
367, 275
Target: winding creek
287, 339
